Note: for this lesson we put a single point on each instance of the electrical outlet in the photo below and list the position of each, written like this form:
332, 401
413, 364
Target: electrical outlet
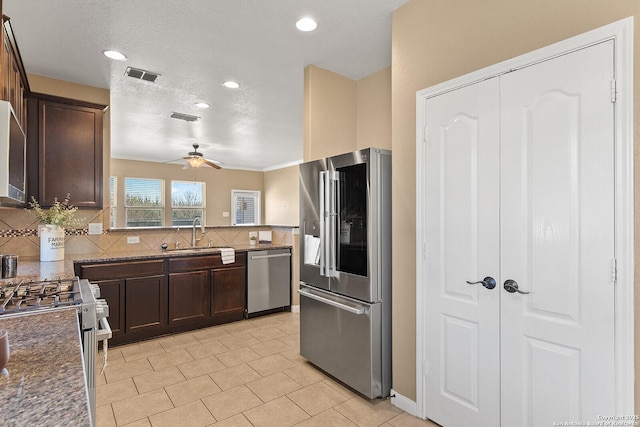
225, 214
95, 228
133, 239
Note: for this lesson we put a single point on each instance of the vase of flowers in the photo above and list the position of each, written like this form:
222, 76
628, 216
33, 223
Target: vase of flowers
54, 221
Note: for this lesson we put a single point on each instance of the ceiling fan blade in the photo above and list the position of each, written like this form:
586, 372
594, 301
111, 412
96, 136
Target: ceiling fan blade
172, 161
213, 165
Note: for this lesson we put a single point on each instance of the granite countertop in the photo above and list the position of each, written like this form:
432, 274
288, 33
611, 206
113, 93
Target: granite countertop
46, 383
170, 253
30, 268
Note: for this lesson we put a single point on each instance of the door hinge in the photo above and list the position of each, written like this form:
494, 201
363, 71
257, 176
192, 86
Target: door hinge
614, 270
424, 134
613, 91
424, 367
424, 251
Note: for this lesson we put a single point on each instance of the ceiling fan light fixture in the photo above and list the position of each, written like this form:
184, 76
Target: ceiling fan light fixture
114, 54
195, 161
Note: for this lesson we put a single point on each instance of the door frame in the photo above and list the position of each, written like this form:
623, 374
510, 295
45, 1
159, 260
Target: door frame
621, 32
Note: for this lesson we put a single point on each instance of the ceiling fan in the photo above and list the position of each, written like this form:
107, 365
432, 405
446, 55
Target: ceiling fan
195, 159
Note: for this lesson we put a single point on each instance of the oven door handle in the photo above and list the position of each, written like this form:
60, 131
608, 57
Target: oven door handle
104, 330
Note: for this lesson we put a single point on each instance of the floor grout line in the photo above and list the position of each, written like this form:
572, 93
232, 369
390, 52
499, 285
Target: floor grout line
282, 330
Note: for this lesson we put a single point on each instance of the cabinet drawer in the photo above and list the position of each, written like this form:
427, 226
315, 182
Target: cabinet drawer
202, 262
117, 270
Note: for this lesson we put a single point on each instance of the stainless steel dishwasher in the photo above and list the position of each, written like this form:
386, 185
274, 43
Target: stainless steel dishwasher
268, 280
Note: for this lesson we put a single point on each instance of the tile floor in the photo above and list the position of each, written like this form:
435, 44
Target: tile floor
246, 373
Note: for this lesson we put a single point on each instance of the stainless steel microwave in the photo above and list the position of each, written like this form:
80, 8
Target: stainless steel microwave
13, 157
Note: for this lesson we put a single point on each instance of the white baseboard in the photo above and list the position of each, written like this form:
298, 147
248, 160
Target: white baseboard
295, 309
404, 403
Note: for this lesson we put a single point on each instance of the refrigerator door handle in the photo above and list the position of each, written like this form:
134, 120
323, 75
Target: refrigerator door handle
328, 217
332, 230
345, 307
323, 212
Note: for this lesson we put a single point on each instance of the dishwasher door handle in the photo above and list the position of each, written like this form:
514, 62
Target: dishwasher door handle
345, 307
269, 256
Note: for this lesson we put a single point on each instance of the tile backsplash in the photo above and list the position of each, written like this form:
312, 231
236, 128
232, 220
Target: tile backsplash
19, 235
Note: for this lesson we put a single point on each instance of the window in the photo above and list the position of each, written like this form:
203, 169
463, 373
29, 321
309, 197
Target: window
245, 207
143, 203
187, 202
113, 211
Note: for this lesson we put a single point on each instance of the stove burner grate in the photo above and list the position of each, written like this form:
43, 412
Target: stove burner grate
22, 296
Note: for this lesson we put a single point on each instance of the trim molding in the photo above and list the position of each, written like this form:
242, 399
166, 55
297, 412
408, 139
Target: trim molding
402, 402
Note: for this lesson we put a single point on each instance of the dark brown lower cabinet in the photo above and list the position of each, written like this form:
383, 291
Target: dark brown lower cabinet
188, 297
136, 292
228, 292
148, 298
112, 291
145, 305
206, 288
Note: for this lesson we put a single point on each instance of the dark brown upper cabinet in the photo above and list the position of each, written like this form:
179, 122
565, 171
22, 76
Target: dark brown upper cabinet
64, 150
12, 73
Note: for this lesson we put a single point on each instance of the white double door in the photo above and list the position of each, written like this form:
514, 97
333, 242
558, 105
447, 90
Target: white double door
520, 188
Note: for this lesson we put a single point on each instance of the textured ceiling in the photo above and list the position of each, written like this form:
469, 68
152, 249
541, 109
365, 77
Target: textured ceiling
195, 45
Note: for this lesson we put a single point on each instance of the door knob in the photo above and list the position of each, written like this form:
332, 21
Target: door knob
488, 282
511, 286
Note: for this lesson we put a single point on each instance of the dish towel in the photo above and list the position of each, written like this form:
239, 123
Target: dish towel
228, 255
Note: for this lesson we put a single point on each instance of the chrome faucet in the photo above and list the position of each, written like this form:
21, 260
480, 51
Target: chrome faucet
193, 231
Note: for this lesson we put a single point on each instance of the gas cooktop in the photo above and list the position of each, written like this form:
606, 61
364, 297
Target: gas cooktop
20, 296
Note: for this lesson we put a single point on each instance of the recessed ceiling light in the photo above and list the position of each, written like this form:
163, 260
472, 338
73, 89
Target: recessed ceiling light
306, 24
114, 54
202, 105
231, 84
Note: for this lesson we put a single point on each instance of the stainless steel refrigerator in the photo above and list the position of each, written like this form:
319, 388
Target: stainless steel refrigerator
345, 268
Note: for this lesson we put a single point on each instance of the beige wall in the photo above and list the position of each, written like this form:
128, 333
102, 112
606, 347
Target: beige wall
219, 184
281, 196
41, 84
330, 103
282, 207
343, 115
374, 110
434, 41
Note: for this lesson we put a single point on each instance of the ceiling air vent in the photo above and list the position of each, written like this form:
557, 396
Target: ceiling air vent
182, 116
140, 74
